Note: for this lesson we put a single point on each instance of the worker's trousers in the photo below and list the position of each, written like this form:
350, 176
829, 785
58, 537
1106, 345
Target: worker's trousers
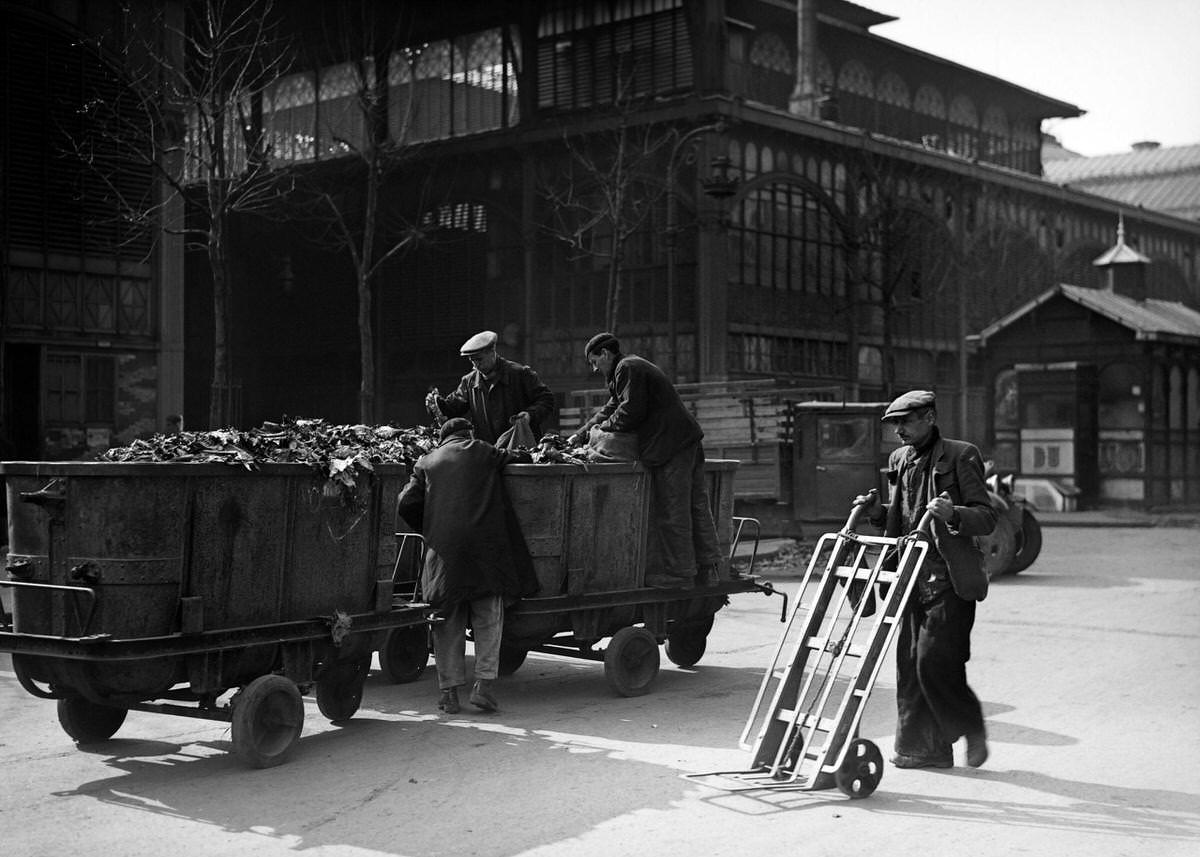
486, 618
934, 705
680, 518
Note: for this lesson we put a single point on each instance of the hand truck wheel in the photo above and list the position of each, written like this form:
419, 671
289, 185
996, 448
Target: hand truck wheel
861, 770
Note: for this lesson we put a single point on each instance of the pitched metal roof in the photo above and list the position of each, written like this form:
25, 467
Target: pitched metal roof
1138, 162
1163, 179
1151, 319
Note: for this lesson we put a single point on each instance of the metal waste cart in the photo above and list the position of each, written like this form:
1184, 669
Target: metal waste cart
588, 531
162, 587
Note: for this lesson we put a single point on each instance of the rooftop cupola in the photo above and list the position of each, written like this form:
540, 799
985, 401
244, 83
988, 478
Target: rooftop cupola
1124, 268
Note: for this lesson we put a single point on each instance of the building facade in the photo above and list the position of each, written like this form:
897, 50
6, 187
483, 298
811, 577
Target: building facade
743, 189
92, 335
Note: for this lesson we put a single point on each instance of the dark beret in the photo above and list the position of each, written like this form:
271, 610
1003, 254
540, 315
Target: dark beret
913, 400
599, 341
458, 425
479, 343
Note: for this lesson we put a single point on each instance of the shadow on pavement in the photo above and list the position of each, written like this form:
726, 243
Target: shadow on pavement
398, 777
1099, 808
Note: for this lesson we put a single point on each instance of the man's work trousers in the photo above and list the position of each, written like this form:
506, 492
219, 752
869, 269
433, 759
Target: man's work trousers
486, 616
935, 706
680, 517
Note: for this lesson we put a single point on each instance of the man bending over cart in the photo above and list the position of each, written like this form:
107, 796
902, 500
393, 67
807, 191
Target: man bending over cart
475, 558
642, 400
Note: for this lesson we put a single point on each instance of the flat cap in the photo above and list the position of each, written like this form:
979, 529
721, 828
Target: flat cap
458, 425
913, 400
601, 340
479, 343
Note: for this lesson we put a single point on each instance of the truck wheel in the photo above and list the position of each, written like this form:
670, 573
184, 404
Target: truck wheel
511, 658
631, 661
1029, 543
268, 716
405, 654
340, 688
861, 770
89, 722
998, 547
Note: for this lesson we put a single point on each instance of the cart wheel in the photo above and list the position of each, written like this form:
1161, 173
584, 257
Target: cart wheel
511, 658
89, 722
861, 770
631, 661
340, 688
1029, 543
685, 647
25, 672
268, 715
405, 654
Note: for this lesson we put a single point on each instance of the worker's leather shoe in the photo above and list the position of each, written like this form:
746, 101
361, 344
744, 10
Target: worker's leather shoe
481, 696
977, 749
668, 581
448, 702
900, 760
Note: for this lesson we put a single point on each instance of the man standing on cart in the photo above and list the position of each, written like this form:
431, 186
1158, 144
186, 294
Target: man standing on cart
496, 393
935, 705
475, 558
642, 400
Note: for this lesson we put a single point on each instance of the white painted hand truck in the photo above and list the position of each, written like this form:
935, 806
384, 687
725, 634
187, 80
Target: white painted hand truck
805, 719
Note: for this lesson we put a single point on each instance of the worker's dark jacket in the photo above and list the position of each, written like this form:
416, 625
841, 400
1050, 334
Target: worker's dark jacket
956, 468
644, 401
456, 500
490, 404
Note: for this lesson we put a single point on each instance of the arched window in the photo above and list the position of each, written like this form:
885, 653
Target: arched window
772, 70
342, 118
929, 114
856, 95
996, 144
290, 117
770, 53
964, 128
895, 106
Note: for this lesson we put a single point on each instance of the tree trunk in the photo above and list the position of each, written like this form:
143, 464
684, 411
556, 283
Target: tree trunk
366, 332
222, 377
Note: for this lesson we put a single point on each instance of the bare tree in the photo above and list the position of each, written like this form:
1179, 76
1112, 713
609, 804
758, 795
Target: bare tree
608, 188
349, 200
899, 257
190, 109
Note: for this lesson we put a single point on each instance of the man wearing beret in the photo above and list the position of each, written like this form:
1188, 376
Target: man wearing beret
935, 705
497, 392
643, 400
475, 557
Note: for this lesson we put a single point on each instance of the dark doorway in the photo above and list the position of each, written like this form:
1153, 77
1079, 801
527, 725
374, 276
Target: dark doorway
22, 403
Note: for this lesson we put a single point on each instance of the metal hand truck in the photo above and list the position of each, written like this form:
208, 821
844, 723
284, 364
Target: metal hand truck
805, 718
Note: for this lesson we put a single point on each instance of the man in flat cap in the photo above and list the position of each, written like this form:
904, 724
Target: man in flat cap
497, 392
643, 400
935, 705
475, 560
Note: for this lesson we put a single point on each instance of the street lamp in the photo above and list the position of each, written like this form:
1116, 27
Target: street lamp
672, 228
720, 184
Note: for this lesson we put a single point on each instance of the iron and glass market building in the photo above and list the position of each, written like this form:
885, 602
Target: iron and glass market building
743, 189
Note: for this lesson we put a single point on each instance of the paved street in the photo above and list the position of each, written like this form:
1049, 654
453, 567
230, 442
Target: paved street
1087, 666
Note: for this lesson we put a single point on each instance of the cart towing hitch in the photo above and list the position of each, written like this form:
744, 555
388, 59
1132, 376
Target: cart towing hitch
767, 588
